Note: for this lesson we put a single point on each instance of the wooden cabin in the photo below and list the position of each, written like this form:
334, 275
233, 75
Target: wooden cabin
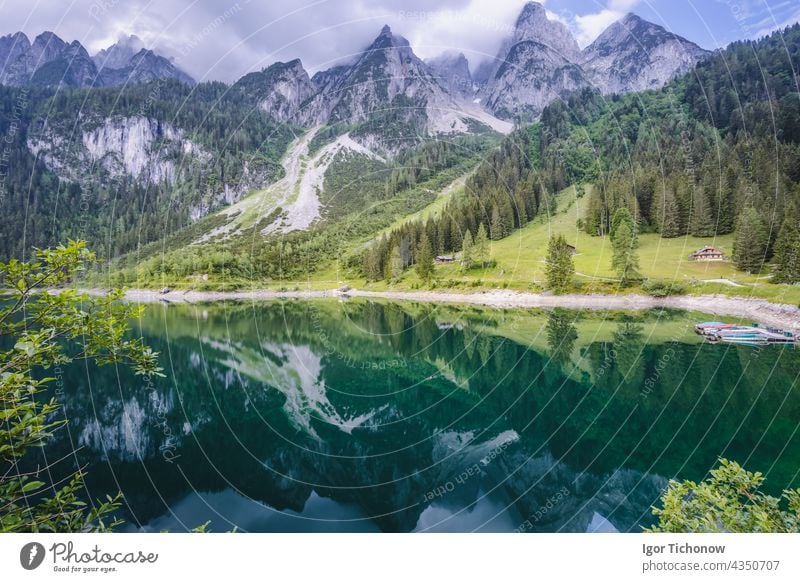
707, 253
445, 259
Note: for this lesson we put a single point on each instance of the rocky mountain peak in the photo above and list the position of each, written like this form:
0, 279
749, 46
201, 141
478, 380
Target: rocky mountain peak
46, 47
119, 54
534, 25
634, 55
280, 89
537, 64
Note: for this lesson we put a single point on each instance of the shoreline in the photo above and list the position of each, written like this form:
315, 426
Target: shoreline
759, 310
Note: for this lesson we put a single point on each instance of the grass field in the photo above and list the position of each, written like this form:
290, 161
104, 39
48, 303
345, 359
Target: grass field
519, 262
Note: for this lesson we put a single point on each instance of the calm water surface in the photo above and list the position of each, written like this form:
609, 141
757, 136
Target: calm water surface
362, 416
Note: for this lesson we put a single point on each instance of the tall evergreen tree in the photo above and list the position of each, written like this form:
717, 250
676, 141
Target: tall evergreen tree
670, 220
750, 245
787, 249
559, 267
496, 230
467, 251
625, 244
482, 246
702, 223
395, 264
424, 264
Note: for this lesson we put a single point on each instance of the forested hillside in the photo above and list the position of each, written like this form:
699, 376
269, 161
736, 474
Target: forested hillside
715, 151
219, 142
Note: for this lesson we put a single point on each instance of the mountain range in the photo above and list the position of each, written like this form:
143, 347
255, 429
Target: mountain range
538, 63
50, 61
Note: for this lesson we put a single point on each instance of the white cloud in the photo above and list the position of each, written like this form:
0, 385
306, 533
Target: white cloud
589, 26
476, 29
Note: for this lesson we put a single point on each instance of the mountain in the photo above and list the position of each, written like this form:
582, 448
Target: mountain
118, 55
280, 89
634, 55
72, 67
49, 61
536, 65
142, 67
451, 70
541, 62
390, 94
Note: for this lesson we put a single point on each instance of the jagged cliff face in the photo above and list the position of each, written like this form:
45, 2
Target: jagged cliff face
387, 74
532, 76
451, 70
49, 61
636, 55
534, 25
139, 147
280, 90
535, 66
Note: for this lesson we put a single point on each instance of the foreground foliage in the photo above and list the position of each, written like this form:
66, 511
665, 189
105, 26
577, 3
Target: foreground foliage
42, 333
730, 500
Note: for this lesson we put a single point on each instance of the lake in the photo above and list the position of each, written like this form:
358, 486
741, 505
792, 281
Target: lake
361, 416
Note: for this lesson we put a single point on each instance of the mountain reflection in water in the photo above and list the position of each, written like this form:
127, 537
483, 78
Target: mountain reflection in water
364, 416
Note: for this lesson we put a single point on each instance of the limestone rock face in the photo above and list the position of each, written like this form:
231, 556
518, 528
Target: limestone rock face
635, 55
537, 64
281, 89
451, 70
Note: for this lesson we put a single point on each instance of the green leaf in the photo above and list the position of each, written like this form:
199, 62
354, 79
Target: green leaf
32, 486
25, 346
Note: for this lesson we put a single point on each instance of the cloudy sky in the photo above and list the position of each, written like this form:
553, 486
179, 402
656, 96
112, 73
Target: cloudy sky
217, 40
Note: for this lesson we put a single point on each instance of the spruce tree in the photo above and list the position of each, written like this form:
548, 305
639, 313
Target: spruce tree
482, 246
702, 223
750, 245
424, 258
625, 244
467, 251
395, 264
559, 267
496, 231
670, 219
787, 249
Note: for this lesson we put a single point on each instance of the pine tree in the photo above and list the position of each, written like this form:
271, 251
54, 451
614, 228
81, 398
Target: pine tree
787, 249
395, 264
467, 251
622, 216
670, 219
424, 258
482, 246
625, 244
750, 245
559, 268
702, 223
496, 230
372, 264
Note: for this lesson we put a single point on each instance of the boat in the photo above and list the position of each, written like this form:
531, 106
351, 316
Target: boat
712, 327
751, 335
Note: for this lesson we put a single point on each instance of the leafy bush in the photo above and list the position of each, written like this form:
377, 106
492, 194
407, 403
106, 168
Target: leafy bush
728, 501
46, 331
661, 288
